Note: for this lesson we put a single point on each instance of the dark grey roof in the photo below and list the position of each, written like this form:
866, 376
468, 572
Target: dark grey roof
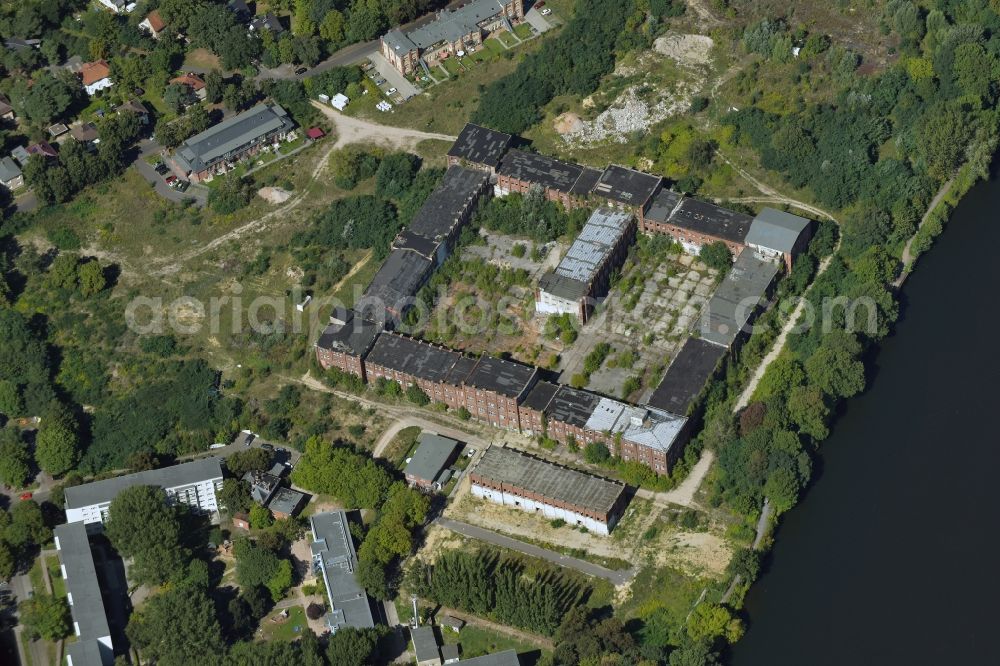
687, 376
627, 186
562, 286
711, 220
776, 230
546, 171
480, 145
262, 485
663, 205
424, 643
8, 169
333, 552
453, 25
413, 357
354, 336
552, 482
397, 281
586, 182
286, 501
398, 41
461, 369
448, 203
508, 378
407, 240
83, 586
572, 406
540, 395
233, 135
431, 456
88, 653
449, 652
505, 658
175, 476
734, 302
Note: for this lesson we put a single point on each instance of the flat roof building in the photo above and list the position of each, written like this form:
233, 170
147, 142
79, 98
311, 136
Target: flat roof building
408, 357
334, 558
627, 187
93, 645
285, 503
584, 272
192, 483
449, 207
510, 477
425, 646
778, 235
505, 658
434, 453
204, 153
501, 376
736, 301
479, 147
394, 287
345, 341
687, 376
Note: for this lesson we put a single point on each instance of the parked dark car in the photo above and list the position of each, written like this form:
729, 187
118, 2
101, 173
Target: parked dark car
161, 168
301, 70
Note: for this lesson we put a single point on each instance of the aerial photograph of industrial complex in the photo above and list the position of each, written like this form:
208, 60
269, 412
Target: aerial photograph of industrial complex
498, 332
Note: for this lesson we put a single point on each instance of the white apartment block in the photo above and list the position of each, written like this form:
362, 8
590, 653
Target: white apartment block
194, 484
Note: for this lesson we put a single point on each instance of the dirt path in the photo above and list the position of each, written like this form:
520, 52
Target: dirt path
771, 194
351, 273
411, 421
683, 494
907, 257
248, 228
349, 130
356, 130
477, 621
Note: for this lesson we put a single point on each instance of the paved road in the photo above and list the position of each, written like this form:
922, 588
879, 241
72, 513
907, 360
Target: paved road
149, 147
347, 55
410, 421
614, 577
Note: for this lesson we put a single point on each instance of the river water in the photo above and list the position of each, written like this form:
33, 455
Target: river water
892, 557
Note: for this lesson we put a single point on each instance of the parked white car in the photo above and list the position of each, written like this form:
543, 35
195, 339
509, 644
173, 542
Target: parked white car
546, 11
391, 91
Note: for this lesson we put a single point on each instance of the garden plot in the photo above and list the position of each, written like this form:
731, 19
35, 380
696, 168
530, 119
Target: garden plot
645, 320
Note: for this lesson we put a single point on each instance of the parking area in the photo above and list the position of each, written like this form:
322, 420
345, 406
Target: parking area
540, 18
392, 80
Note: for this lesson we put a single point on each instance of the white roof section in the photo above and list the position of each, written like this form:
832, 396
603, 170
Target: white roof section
590, 249
185, 474
776, 230
646, 426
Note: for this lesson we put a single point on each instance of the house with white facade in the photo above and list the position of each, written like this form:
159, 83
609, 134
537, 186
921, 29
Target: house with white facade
96, 76
512, 478
93, 645
194, 483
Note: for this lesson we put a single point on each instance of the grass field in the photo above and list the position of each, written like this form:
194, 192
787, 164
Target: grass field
475, 641
201, 59
55, 575
284, 629
401, 446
